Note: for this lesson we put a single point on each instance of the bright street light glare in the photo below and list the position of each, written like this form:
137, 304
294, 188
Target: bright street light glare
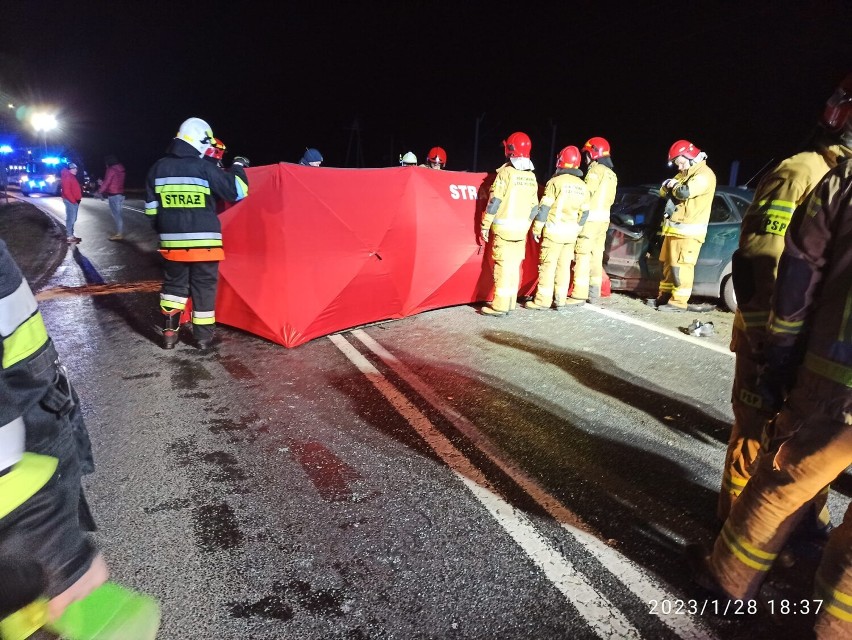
43, 121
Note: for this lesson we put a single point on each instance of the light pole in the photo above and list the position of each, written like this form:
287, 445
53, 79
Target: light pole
43, 122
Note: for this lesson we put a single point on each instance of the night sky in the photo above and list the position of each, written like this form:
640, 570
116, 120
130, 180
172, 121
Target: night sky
742, 80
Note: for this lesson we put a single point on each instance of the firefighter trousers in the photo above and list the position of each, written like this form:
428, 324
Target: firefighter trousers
679, 257
196, 279
588, 265
554, 272
808, 450
508, 256
744, 444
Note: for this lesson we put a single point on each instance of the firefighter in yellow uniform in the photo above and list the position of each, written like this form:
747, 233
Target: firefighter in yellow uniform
690, 197
809, 368
755, 265
562, 212
512, 205
601, 182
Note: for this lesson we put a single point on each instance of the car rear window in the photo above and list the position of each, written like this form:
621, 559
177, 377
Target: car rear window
720, 211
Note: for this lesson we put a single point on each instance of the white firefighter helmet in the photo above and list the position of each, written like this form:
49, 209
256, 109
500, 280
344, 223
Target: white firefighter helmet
196, 132
409, 159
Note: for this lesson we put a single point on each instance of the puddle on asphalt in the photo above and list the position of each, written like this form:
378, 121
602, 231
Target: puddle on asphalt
187, 373
216, 528
277, 606
229, 468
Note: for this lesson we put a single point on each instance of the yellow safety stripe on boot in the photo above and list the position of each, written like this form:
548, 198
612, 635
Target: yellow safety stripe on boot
203, 317
777, 216
834, 602
828, 369
732, 484
26, 479
666, 287
24, 622
746, 553
792, 328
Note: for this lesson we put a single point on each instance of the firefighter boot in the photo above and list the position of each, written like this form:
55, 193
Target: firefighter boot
594, 293
171, 324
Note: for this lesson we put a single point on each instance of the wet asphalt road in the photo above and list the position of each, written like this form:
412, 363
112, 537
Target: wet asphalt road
443, 476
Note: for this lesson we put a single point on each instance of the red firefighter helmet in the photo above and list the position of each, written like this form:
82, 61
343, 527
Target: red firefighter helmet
683, 148
517, 145
216, 150
568, 158
838, 108
437, 156
596, 148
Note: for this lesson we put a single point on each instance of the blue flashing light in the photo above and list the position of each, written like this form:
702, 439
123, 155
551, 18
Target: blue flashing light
6, 149
51, 160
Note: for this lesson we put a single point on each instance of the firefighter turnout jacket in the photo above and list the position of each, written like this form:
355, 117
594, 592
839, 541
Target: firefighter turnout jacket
182, 189
816, 330
692, 197
566, 199
517, 192
601, 182
764, 228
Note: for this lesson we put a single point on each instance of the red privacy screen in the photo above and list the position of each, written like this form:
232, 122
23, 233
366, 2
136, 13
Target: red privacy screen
315, 250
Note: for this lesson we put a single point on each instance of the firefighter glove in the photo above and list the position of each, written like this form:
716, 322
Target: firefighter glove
484, 234
242, 160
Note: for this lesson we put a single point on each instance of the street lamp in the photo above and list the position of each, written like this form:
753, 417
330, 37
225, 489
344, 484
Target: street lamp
43, 122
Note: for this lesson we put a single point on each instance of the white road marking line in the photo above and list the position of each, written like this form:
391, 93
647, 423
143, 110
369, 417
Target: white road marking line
606, 620
652, 327
637, 581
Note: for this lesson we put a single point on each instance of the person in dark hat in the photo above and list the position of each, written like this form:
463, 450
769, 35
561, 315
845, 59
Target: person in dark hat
311, 158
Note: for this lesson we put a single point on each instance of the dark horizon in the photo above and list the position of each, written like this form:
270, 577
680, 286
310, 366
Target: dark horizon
743, 83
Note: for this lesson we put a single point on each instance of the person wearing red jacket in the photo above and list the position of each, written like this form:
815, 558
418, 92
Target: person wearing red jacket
72, 195
113, 189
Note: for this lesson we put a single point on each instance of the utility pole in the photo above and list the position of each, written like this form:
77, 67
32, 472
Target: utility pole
476, 141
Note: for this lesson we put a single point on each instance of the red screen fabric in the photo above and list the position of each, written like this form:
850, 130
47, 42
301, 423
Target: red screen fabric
315, 250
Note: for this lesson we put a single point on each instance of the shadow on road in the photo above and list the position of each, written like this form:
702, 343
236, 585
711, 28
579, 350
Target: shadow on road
141, 323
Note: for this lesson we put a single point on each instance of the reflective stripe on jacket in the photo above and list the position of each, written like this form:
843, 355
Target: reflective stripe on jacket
690, 216
22, 331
